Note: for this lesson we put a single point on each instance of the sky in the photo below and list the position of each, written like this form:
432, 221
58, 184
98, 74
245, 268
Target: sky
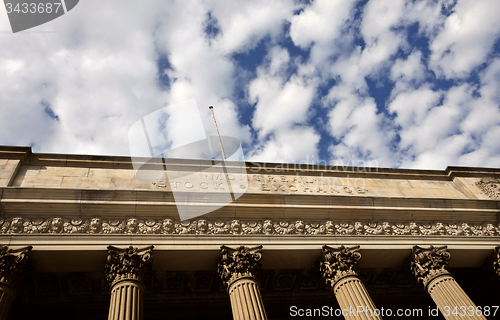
390, 83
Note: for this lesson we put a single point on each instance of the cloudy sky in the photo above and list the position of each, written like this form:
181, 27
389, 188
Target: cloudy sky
410, 84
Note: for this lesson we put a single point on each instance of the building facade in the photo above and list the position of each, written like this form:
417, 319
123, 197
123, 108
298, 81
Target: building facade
81, 237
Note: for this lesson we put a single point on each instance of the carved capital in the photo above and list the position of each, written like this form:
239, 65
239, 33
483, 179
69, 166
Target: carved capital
128, 263
495, 257
337, 263
427, 264
238, 263
12, 264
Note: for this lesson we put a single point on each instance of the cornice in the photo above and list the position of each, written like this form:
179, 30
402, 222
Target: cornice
25, 154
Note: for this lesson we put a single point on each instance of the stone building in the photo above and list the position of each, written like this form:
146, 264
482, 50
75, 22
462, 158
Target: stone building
81, 237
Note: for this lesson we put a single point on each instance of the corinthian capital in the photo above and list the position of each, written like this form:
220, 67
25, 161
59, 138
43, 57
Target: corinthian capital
429, 263
12, 264
128, 263
337, 263
238, 263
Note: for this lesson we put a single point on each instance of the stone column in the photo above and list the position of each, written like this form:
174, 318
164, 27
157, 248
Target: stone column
238, 269
338, 266
12, 265
126, 271
429, 266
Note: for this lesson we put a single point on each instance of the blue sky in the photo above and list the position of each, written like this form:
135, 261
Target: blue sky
410, 84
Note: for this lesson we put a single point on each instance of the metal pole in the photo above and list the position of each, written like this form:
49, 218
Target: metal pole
216, 129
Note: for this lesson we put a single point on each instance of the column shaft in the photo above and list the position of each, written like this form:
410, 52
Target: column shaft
351, 294
338, 266
7, 296
238, 269
126, 301
246, 302
447, 294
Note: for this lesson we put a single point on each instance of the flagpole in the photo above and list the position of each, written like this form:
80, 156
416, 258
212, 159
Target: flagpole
218, 135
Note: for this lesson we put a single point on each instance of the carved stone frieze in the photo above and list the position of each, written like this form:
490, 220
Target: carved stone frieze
427, 264
12, 264
490, 186
337, 263
59, 225
128, 263
238, 263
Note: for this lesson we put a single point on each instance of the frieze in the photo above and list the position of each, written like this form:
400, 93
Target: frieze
133, 225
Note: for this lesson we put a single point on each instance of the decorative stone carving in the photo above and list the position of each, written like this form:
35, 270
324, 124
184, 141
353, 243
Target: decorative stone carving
268, 227
253, 228
344, 228
237, 227
315, 228
128, 263
218, 227
76, 226
202, 227
37, 225
337, 263
149, 227
300, 228
401, 229
430, 263
168, 226
239, 263
185, 227
12, 264
95, 225
496, 260
113, 226
490, 186
373, 229
284, 227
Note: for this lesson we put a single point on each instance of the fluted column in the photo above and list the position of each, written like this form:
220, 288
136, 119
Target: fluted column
338, 266
238, 269
12, 265
126, 271
430, 268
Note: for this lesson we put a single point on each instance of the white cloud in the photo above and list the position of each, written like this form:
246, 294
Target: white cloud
283, 146
467, 37
244, 24
408, 72
412, 106
353, 119
320, 23
281, 107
